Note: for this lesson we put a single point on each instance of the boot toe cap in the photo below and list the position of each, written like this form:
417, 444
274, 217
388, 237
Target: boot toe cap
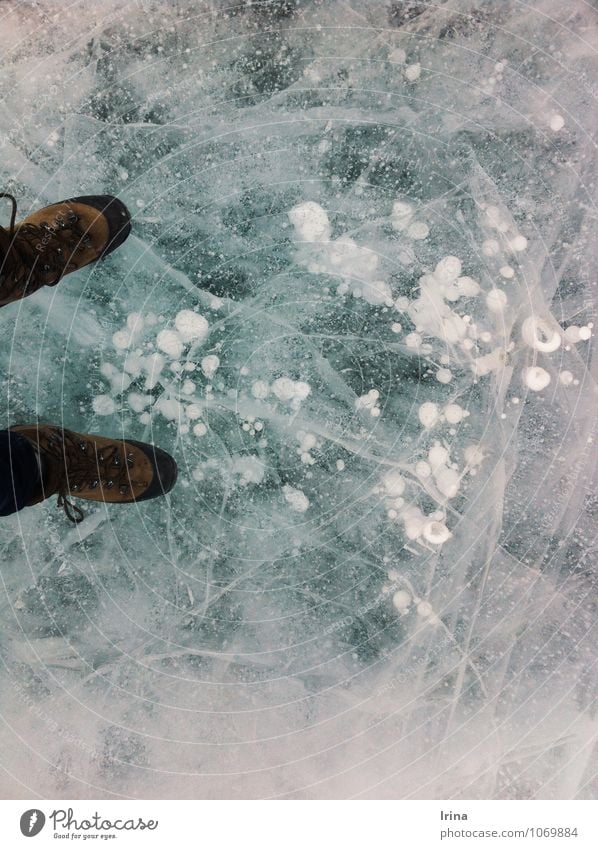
164, 467
116, 214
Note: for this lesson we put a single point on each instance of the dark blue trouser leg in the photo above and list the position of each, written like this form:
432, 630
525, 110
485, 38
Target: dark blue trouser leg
19, 472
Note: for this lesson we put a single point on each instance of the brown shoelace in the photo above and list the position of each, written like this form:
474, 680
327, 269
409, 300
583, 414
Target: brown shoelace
82, 466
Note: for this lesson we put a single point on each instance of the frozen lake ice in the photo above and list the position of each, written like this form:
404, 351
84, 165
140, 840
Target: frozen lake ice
358, 307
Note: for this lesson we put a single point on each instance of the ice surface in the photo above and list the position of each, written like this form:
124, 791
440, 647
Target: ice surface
358, 307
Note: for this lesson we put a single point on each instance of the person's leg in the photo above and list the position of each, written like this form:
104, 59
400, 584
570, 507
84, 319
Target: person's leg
19, 472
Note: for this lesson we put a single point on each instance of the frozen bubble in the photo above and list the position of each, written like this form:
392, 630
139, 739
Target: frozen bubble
401, 600
536, 378
402, 213
193, 411
295, 498
414, 521
340, 465
436, 533
170, 342
444, 375
103, 405
422, 469
438, 455
518, 243
284, 388
394, 483
413, 340
398, 56
447, 481
188, 387
135, 322
425, 609
418, 230
449, 268
260, 389
566, 378
367, 401
310, 222
572, 334
428, 414
557, 122
474, 455
138, 402
169, 407
507, 272
191, 326
490, 247
396, 327
413, 72
133, 364
496, 300
585, 333
209, 365
540, 335
251, 469
200, 429
109, 370
121, 339
468, 287
302, 389
453, 413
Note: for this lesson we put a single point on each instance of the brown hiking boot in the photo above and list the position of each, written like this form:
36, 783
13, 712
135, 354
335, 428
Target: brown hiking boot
97, 468
57, 240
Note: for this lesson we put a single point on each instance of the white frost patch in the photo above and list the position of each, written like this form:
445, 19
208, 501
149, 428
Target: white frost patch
286, 389
170, 342
428, 414
536, 378
540, 334
310, 221
260, 389
191, 326
393, 483
251, 469
210, 365
138, 402
342, 257
103, 405
369, 401
169, 407
295, 498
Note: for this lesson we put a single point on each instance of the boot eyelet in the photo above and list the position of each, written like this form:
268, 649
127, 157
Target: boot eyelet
116, 461
47, 268
86, 241
109, 484
123, 488
101, 458
83, 446
75, 488
72, 218
94, 484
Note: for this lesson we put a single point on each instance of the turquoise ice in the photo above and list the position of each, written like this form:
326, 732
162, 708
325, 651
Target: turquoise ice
358, 307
